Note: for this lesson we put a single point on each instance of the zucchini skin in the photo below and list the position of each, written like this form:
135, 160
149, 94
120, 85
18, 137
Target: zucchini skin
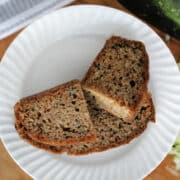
164, 14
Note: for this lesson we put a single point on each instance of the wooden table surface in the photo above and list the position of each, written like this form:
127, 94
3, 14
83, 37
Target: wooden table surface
8, 168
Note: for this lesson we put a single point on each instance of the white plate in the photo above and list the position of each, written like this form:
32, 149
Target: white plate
59, 47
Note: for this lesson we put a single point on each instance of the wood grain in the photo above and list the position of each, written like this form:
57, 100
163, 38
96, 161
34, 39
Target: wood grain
8, 168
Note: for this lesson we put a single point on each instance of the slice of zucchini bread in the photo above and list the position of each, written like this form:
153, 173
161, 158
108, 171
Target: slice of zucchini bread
58, 116
118, 76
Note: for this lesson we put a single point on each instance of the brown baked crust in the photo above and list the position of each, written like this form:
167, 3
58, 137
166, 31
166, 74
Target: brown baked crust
152, 119
88, 84
46, 92
90, 136
23, 134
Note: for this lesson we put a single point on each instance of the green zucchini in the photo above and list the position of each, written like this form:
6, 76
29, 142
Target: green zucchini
164, 14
